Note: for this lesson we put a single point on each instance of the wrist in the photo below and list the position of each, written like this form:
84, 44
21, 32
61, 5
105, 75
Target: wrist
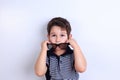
44, 49
43, 52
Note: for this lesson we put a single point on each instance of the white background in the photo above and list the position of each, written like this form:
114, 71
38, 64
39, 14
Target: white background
95, 26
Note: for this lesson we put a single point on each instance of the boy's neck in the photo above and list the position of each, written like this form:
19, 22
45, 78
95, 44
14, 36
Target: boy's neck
59, 52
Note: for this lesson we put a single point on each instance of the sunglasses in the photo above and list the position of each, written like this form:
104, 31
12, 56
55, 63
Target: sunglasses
54, 46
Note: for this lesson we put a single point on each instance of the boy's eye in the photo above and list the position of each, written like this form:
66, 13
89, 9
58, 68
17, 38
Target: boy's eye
62, 35
53, 35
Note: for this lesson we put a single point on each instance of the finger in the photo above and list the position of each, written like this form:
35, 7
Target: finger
67, 41
70, 36
48, 42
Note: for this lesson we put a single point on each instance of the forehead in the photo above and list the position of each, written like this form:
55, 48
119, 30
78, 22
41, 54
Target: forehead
57, 29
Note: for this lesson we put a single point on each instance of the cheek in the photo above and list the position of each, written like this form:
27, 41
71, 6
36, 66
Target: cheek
64, 39
52, 40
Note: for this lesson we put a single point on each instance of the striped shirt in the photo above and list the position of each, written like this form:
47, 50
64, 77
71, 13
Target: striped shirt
61, 67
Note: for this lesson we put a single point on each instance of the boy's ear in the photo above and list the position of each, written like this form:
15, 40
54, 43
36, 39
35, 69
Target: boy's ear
70, 36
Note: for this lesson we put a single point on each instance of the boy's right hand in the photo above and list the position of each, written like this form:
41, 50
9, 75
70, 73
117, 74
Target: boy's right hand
44, 45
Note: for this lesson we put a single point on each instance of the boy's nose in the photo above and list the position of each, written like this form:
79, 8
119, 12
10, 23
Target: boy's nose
58, 39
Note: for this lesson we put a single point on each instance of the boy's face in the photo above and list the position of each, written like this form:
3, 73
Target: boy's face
58, 35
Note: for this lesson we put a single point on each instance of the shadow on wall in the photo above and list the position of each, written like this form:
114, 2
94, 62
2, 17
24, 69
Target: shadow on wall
43, 32
34, 53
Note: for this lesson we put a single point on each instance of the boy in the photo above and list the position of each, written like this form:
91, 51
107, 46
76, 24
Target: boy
57, 61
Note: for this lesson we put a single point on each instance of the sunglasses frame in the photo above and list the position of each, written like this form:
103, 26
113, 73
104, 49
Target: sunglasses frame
60, 45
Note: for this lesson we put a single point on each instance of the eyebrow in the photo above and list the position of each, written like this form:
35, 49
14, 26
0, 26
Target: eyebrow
52, 33
61, 33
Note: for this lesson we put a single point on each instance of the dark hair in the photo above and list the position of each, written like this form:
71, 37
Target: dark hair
61, 22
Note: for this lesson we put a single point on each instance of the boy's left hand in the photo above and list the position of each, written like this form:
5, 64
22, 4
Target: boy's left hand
72, 42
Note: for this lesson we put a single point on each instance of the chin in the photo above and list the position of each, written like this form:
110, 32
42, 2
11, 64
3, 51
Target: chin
57, 49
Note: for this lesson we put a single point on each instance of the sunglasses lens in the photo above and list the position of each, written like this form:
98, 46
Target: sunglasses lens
63, 45
49, 46
54, 46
